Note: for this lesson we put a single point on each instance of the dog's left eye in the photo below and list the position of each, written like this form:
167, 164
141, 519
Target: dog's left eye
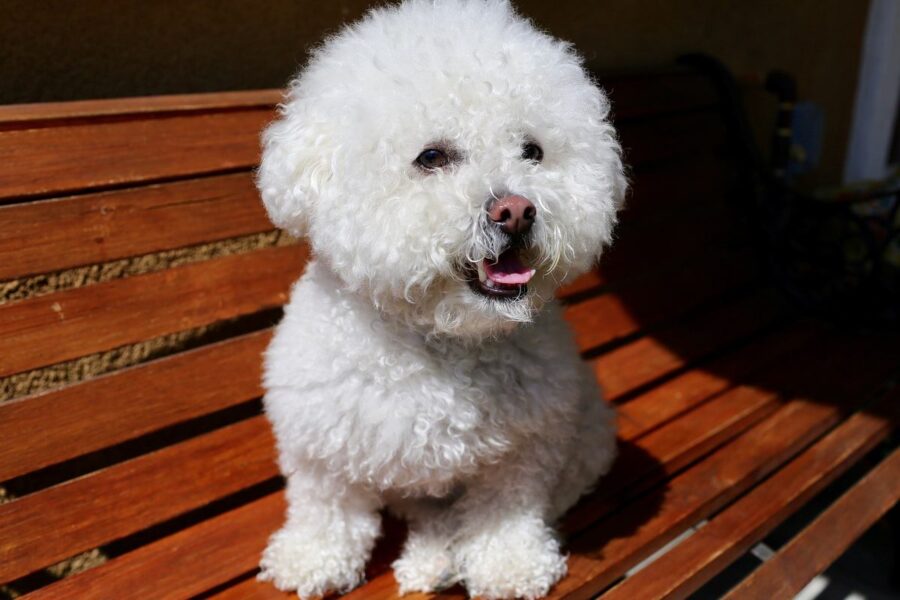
432, 158
532, 152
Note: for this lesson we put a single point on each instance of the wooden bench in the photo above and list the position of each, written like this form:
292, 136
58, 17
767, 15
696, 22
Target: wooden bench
140, 279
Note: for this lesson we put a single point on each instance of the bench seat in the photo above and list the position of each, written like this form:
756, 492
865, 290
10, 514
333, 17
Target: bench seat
140, 280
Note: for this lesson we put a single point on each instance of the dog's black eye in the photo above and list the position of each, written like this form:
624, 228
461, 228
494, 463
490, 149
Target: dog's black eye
432, 158
532, 152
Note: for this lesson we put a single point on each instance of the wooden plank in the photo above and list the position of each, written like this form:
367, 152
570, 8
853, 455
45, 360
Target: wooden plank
657, 194
113, 152
681, 571
603, 552
670, 137
184, 564
43, 236
58, 327
52, 427
692, 433
641, 95
42, 112
685, 392
644, 304
826, 538
639, 363
75, 420
52, 524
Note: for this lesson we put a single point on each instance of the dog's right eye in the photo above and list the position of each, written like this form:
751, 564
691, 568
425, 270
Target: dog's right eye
432, 159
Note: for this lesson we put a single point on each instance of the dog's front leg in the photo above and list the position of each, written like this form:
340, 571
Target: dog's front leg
505, 547
327, 538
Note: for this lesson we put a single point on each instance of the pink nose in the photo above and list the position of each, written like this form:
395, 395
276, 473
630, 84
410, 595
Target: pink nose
514, 214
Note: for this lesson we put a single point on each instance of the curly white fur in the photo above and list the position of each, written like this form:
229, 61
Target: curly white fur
390, 382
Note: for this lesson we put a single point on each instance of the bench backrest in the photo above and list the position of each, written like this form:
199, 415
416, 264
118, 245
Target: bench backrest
140, 279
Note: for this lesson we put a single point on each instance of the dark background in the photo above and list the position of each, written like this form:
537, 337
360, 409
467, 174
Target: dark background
61, 50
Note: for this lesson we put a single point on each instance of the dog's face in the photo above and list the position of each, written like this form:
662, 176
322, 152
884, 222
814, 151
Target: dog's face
448, 160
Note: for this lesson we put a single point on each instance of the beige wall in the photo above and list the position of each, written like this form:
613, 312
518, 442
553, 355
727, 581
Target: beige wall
58, 49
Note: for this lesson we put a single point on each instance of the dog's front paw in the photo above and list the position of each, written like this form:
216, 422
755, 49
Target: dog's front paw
518, 559
296, 561
424, 567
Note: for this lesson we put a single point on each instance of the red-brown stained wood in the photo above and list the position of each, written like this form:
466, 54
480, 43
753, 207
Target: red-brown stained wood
683, 393
184, 564
602, 553
93, 154
605, 550
642, 361
44, 236
636, 95
58, 327
644, 304
52, 427
50, 113
693, 432
52, 524
680, 572
669, 137
826, 538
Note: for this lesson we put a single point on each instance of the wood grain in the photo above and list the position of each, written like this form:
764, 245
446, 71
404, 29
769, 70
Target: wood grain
614, 533
680, 572
642, 361
52, 524
670, 137
58, 327
639, 95
725, 414
44, 236
183, 564
602, 553
52, 427
644, 304
39, 114
826, 538
114, 152
674, 397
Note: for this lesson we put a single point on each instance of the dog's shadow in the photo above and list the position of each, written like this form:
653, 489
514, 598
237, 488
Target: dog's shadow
622, 502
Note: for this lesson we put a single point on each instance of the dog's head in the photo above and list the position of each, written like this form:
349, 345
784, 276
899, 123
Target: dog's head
449, 160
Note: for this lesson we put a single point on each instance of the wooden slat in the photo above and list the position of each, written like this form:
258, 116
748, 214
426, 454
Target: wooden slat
826, 538
58, 327
821, 543
44, 236
649, 303
125, 150
681, 571
602, 552
184, 564
694, 435
52, 524
657, 194
639, 363
40, 113
55, 426
75, 420
642, 95
606, 550
685, 392
670, 137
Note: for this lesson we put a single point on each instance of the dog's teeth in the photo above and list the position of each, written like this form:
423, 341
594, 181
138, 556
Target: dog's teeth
482, 276
489, 283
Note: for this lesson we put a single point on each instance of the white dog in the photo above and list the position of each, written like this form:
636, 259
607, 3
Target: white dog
451, 166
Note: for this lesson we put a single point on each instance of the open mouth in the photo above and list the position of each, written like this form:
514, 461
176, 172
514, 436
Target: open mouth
505, 277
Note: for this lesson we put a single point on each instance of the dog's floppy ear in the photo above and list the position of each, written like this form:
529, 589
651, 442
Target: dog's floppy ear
293, 170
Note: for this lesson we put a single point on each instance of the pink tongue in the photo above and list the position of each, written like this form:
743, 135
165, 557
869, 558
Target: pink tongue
508, 269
